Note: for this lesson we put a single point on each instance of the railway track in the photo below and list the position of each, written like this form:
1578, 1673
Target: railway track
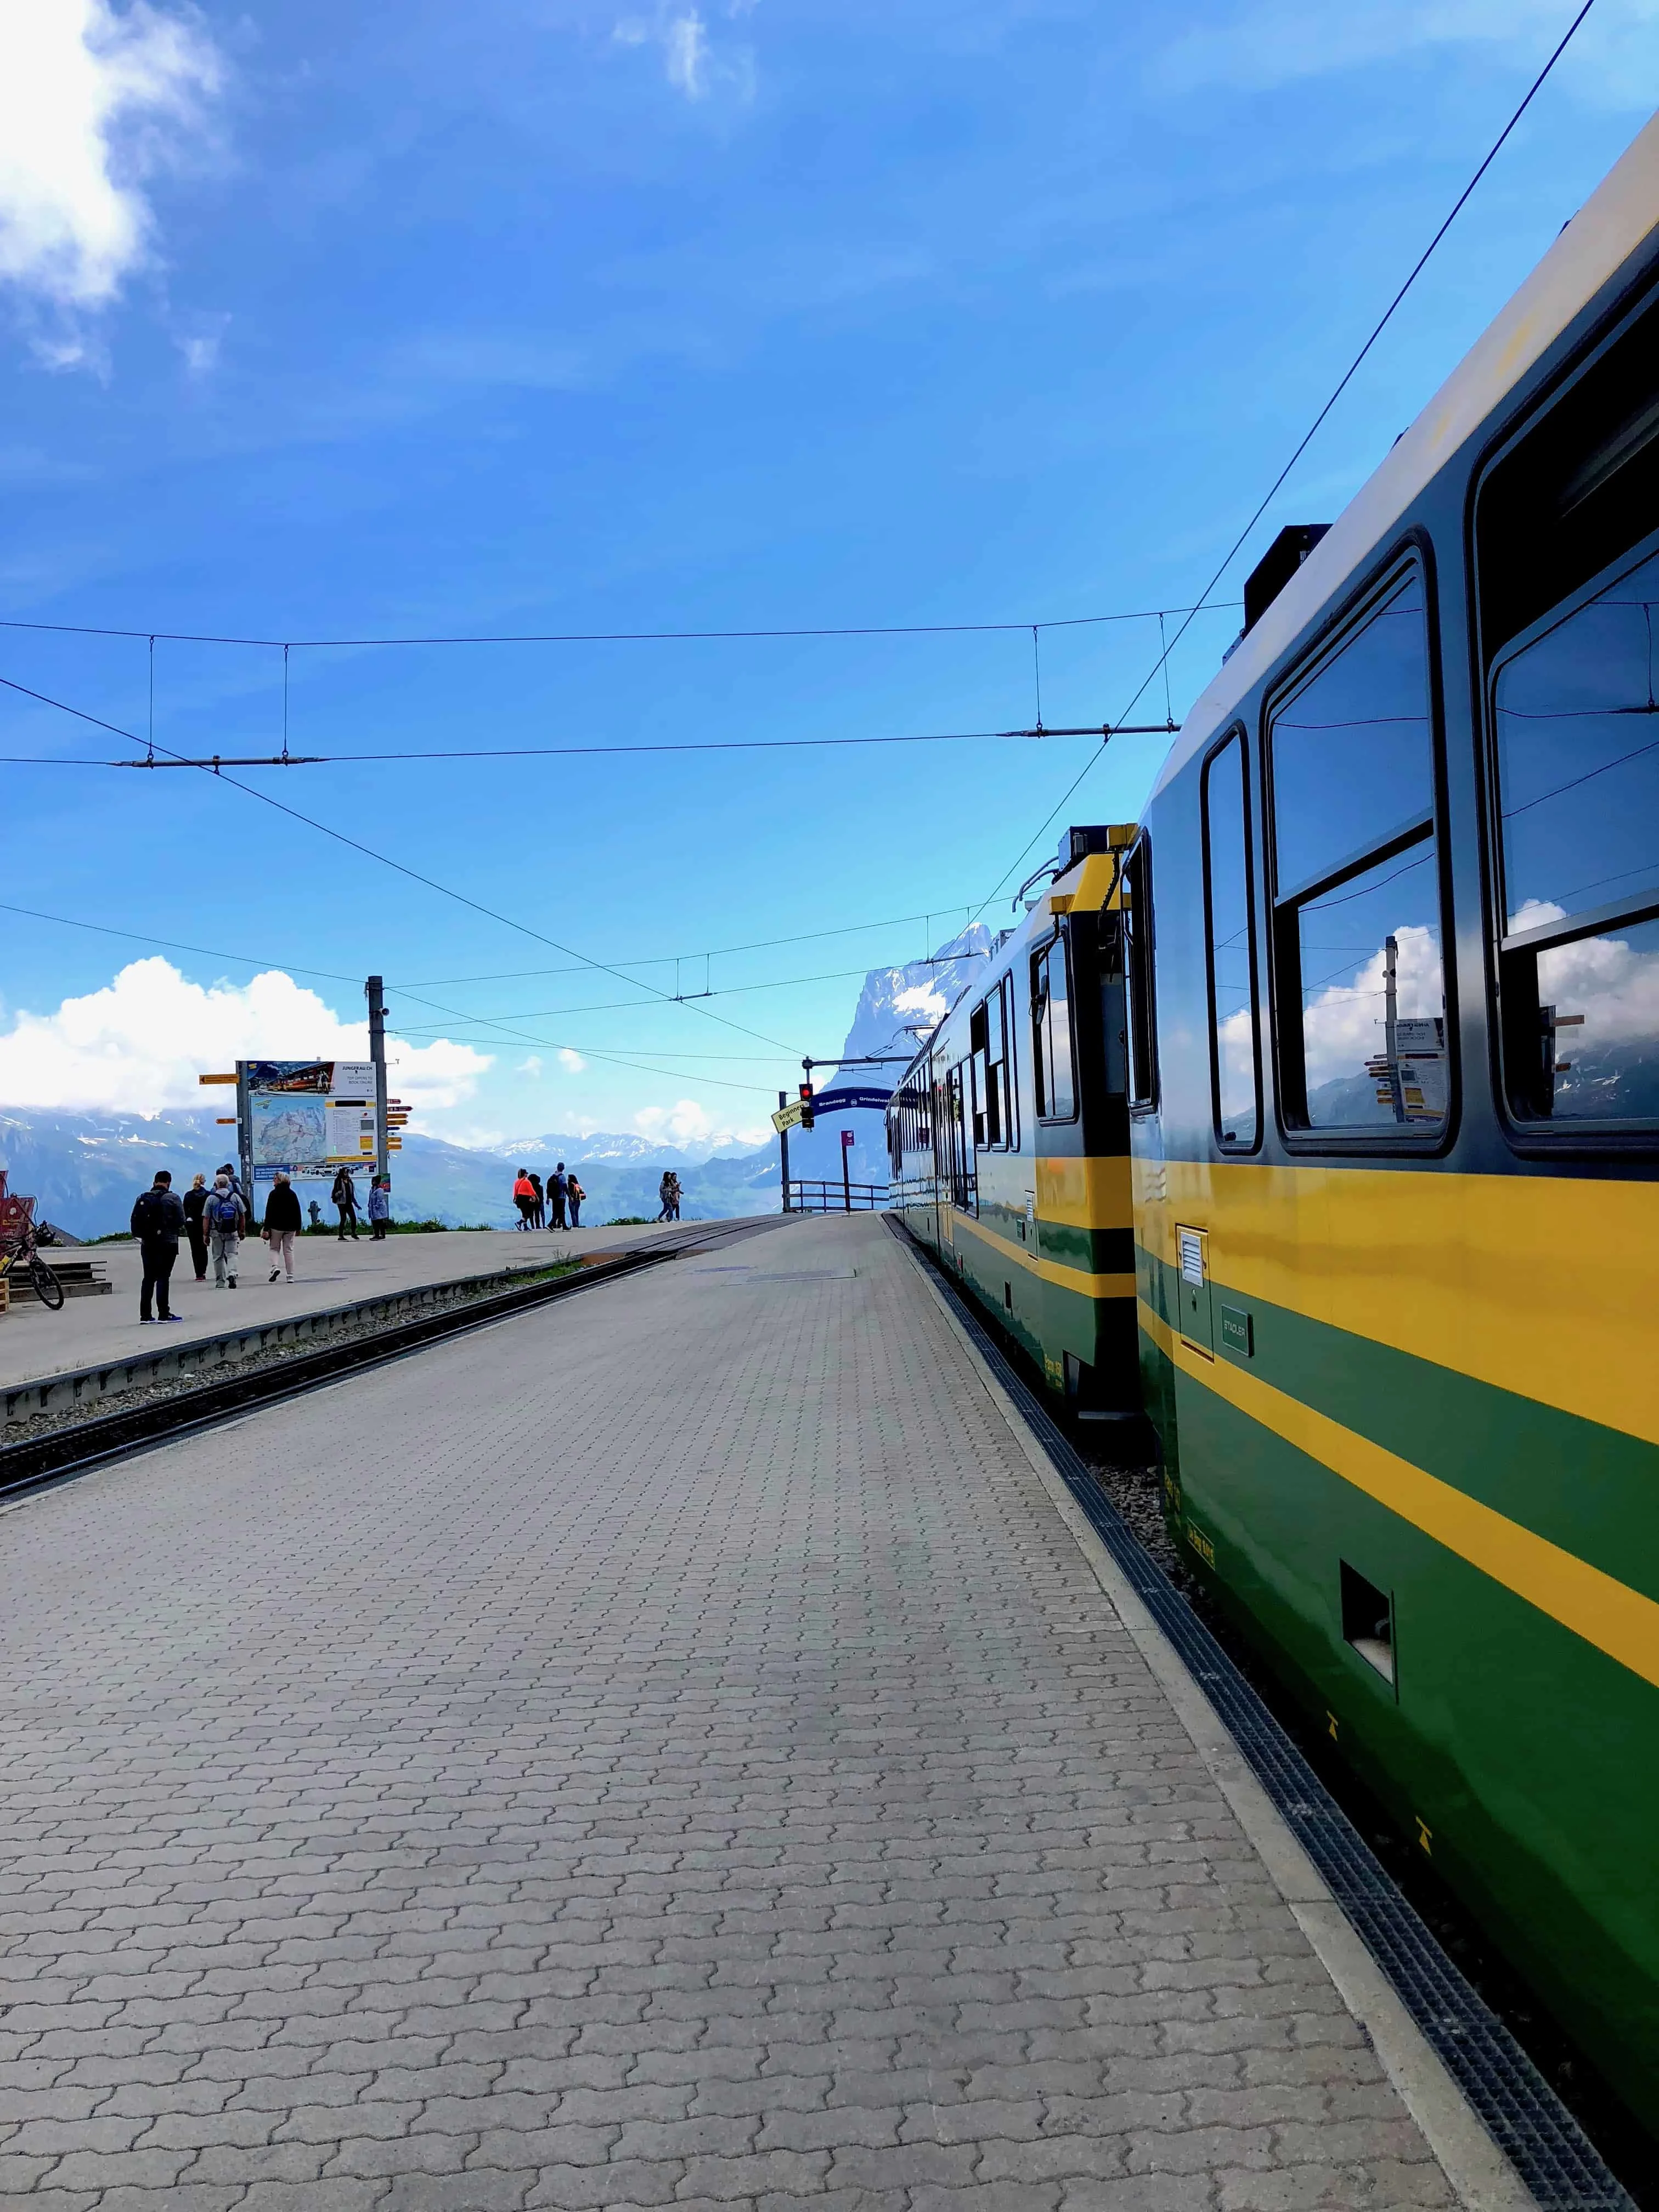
59, 1455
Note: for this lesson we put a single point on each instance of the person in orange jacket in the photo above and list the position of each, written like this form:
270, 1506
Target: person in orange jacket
524, 1197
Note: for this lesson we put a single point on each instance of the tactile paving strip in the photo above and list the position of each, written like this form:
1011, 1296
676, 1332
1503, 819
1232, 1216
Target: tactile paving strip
1525, 2117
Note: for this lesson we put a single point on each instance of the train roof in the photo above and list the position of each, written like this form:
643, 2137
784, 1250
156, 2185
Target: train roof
1610, 226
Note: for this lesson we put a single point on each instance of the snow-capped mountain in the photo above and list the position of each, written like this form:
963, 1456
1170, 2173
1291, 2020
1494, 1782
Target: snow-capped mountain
898, 1006
613, 1144
897, 1009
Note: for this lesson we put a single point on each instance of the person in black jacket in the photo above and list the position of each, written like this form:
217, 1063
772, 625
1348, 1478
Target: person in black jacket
194, 1202
281, 1225
158, 1221
344, 1196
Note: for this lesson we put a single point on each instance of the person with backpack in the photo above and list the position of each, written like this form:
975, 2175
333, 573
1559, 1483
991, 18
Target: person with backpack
558, 1189
282, 1224
524, 1197
344, 1196
194, 1202
225, 1218
574, 1195
379, 1210
158, 1222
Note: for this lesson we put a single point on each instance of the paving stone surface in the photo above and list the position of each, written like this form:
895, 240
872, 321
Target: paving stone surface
86, 1332
664, 1750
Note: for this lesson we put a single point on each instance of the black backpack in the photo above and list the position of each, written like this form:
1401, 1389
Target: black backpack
149, 1216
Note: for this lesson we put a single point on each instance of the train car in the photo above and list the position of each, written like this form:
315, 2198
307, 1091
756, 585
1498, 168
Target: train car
1008, 1135
1391, 936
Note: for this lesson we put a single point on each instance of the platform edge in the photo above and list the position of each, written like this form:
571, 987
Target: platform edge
1480, 2173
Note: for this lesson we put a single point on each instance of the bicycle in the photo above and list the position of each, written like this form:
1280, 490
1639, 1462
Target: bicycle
22, 1246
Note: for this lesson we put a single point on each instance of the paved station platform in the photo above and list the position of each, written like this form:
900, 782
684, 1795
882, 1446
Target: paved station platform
36, 1342
667, 1748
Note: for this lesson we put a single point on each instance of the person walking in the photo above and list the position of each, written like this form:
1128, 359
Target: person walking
233, 1178
558, 1190
225, 1221
538, 1219
194, 1202
282, 1224
669, 1191
158, 1222
344, 1196
379, 1210
574, 1195
524, 1197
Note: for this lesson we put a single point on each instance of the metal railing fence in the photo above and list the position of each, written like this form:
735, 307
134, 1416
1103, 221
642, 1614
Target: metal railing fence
809, 1196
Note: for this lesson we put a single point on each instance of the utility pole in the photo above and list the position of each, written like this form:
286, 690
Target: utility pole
375, 990
1391, 1022
783, 1150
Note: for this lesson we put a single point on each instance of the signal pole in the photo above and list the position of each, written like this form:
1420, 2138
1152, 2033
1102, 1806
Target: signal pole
375, 990
783, 1150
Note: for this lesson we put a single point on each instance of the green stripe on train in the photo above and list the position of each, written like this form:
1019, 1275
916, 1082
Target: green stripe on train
1518, 1745
1589, 1488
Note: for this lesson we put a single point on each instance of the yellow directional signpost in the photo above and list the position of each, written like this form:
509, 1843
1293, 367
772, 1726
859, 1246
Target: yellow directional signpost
788, 1117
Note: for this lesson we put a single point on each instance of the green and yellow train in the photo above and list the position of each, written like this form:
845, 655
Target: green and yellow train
1361, 1029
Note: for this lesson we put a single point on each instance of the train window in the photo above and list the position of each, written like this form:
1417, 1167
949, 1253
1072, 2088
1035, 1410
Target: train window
989, 1039
984, 1106
963, 1181
1574, 716
1234, 1042
1053, 1059
1137, 921
1359, 983
999, 1060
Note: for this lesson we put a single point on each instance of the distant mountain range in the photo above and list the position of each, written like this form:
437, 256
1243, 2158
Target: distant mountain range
85, 1170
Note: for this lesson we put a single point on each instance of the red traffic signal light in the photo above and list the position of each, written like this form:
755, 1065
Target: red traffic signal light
806, 1106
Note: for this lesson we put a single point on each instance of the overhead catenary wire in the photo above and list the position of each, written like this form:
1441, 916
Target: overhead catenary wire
1203, 600
1377, 329
510, 975
335, 976
606, 637
416, 875
219, 761
583, 1052
1103, 730
629, 1005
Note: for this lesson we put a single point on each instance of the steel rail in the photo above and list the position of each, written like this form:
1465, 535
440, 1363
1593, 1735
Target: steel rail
59, 1454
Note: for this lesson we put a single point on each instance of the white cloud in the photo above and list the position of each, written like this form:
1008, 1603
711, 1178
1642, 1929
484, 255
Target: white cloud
1342, 1028
92, 102
690, 62
200, 347
572, 1062
686, 1122
532, 1066
1613, 983
139, 1044
1265, 43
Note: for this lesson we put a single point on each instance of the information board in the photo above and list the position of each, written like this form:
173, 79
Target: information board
309, 1117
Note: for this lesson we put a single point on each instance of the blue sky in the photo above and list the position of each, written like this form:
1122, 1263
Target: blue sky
323, 323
